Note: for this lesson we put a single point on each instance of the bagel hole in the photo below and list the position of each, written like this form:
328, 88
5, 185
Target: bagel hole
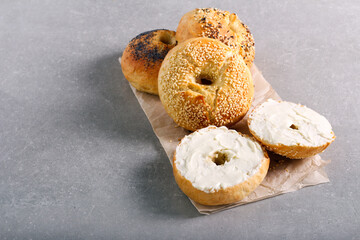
294, 127
204, 80
219, 158
166, 39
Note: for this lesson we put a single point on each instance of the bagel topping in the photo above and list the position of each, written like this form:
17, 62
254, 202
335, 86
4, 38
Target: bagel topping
290, 124
144, 47
217, 158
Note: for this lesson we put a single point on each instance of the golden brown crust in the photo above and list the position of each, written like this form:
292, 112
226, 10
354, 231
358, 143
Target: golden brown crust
194, 104
290, 151
220, 25
223, 196
294, 151
143, 56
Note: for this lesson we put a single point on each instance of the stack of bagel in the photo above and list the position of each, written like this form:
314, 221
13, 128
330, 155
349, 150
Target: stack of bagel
202, 75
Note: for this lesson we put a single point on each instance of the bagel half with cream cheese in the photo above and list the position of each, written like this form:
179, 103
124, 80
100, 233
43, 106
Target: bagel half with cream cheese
215, 166
289, 129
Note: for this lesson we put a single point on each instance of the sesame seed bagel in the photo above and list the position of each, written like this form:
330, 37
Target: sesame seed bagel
203, 82
220, 25
215, 166
289, 129
143, 56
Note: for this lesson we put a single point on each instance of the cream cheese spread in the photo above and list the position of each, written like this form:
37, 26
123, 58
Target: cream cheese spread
216, 158
290, 124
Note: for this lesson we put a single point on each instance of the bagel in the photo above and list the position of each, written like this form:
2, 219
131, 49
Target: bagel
215, 166
143, 56
220, 25
290, 129
203, 82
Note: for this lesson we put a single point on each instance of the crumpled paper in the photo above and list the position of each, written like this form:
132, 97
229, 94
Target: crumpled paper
284, 175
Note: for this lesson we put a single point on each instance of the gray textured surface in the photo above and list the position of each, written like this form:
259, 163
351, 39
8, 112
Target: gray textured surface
79, 160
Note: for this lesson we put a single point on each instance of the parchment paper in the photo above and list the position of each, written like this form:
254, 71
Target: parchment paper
284, 175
